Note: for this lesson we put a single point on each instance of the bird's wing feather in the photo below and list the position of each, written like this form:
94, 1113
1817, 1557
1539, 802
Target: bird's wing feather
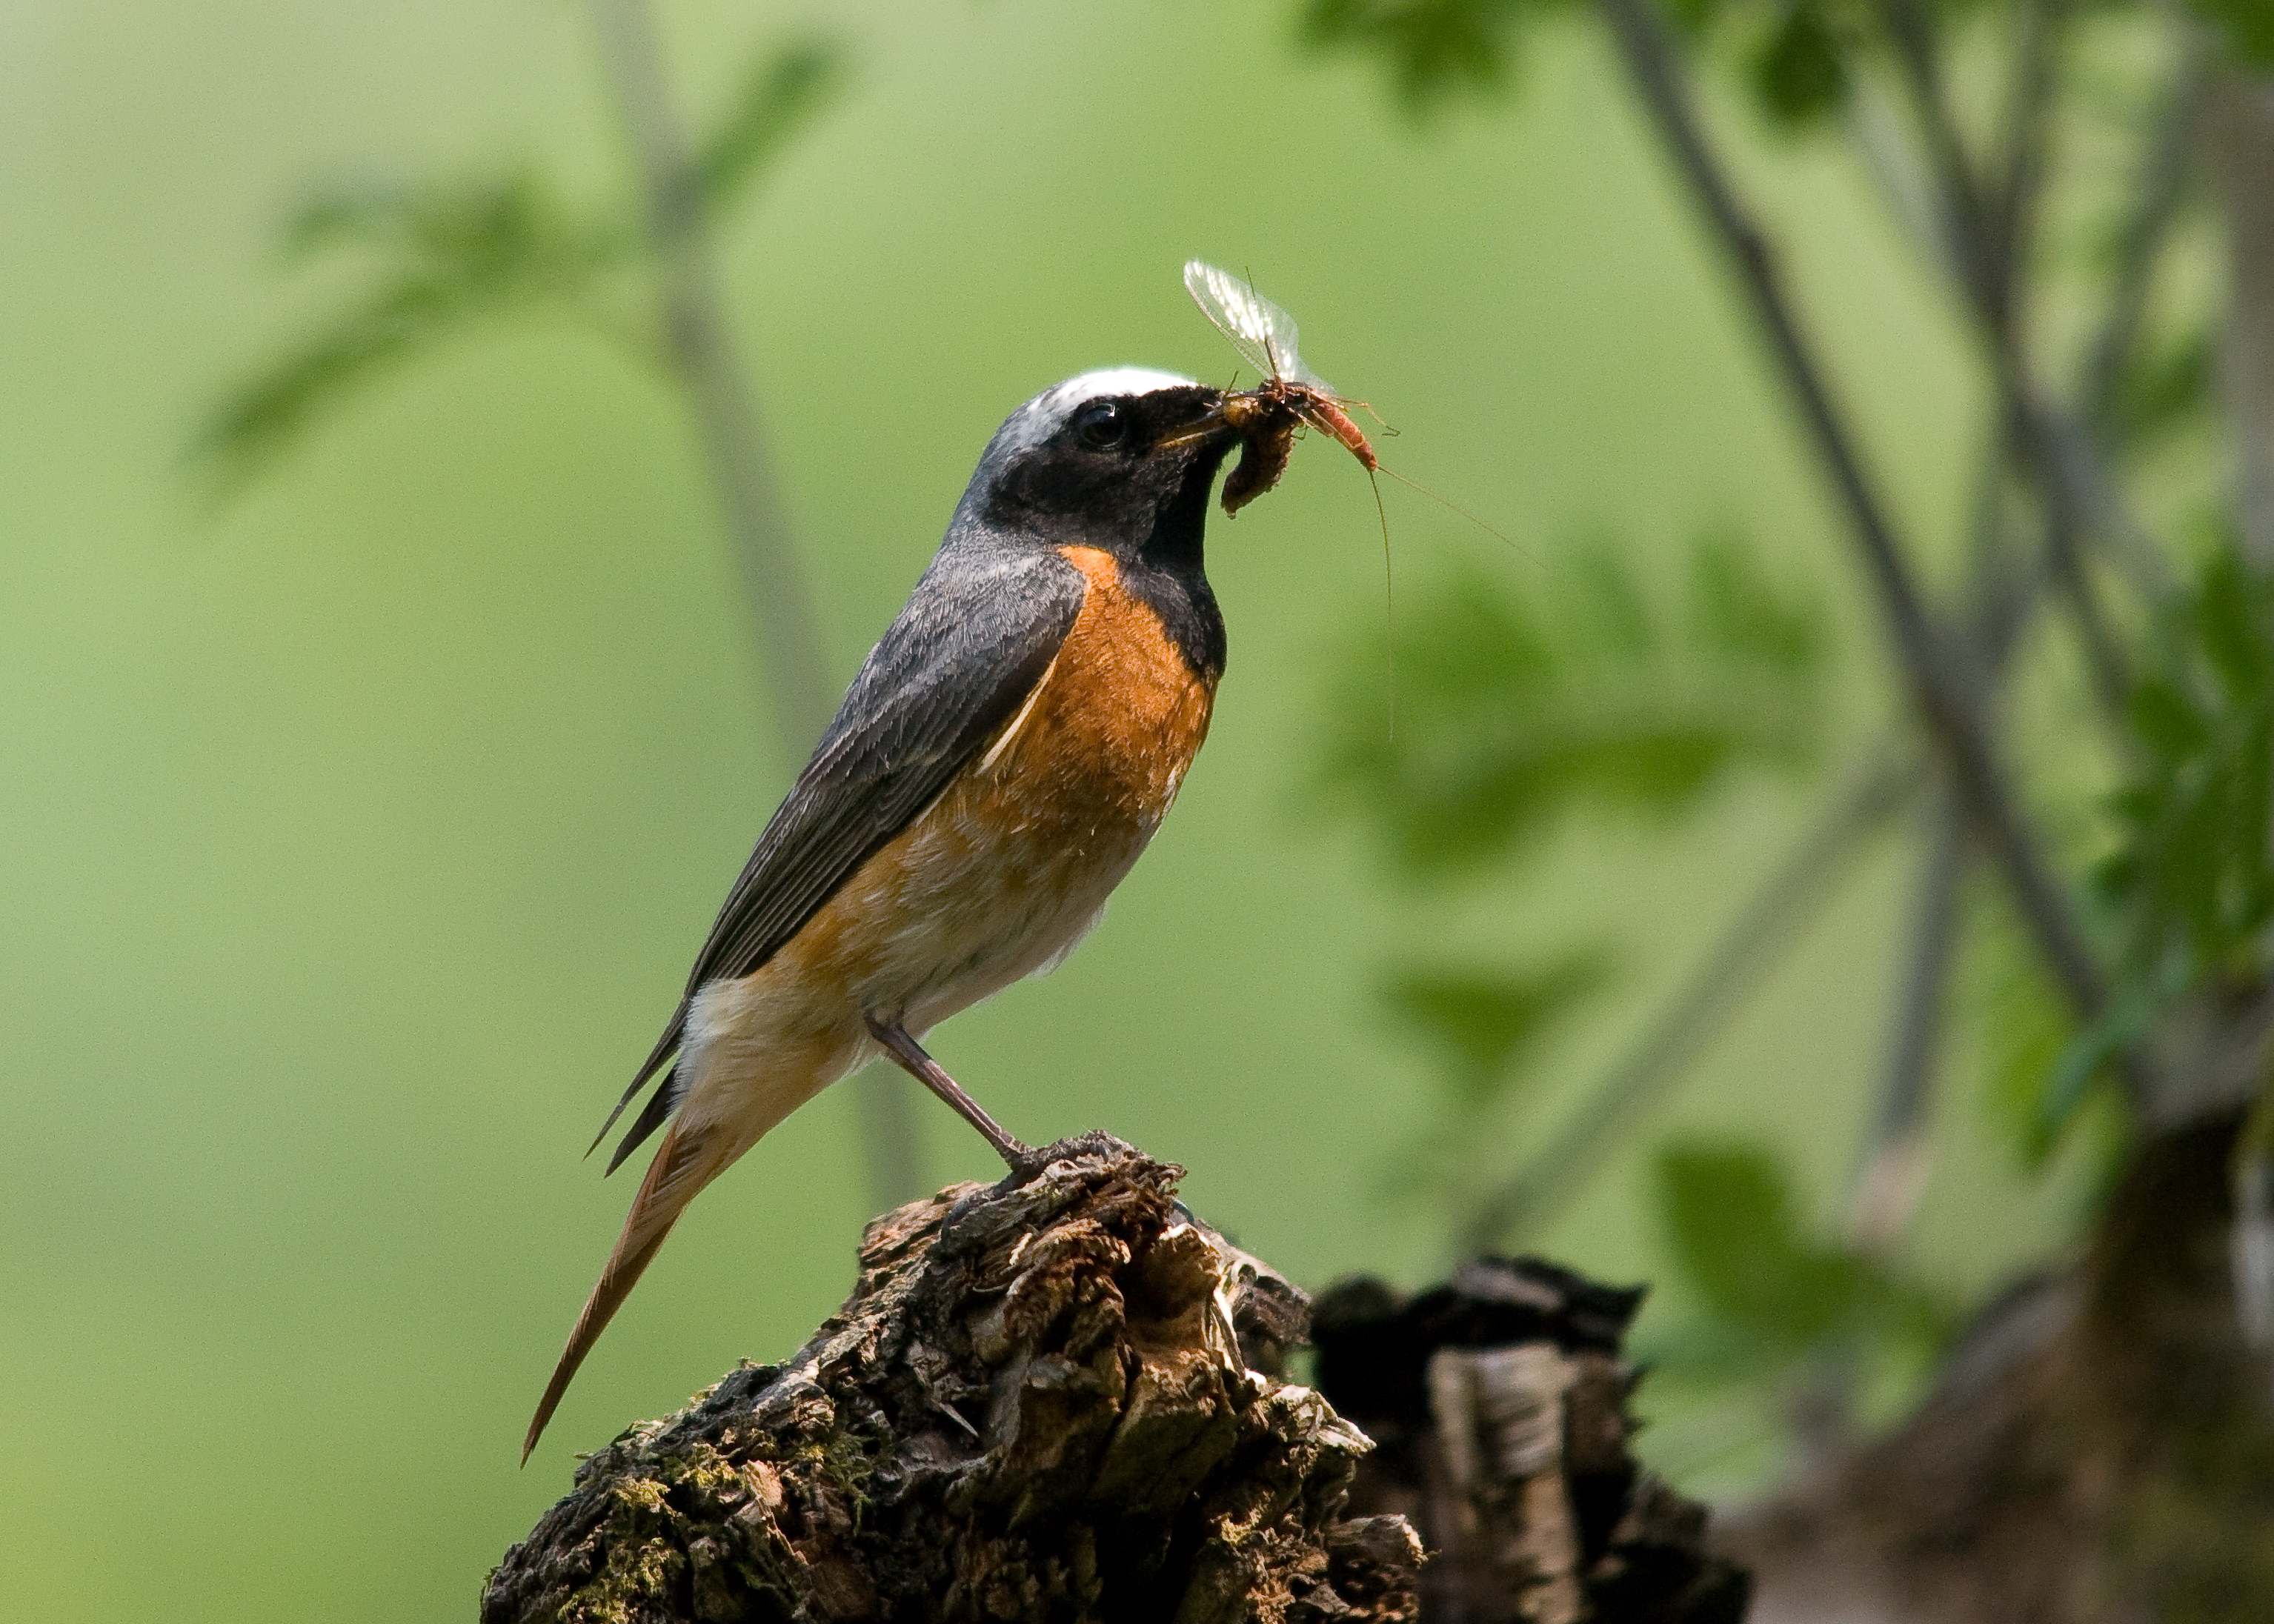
963, 656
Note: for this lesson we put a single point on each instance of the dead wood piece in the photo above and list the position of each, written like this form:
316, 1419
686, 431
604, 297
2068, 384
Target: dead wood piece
1498, 1406
1053, 1398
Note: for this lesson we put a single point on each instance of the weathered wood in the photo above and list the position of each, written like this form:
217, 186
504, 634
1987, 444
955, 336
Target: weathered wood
1498, 1404
1062, 1398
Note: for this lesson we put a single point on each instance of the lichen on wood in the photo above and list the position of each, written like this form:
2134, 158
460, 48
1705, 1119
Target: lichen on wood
1053, 1398
1498, 1404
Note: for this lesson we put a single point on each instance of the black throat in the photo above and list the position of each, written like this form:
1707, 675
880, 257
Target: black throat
1168, 572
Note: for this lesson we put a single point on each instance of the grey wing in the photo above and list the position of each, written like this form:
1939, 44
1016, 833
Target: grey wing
979, 632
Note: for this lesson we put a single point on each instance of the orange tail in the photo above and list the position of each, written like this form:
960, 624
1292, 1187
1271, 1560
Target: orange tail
687, 1161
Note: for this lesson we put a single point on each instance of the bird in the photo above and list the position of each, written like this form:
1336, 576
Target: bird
1003, 756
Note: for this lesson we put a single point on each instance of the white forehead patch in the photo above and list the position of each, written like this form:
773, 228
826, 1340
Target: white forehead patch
1109, 380
1040, 418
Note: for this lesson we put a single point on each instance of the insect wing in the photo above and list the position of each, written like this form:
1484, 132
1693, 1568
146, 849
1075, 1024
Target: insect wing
1259, 330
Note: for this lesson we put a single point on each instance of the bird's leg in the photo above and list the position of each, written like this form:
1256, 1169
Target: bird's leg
911, 1058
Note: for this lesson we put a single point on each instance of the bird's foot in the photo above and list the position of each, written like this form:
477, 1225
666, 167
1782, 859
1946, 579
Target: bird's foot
1025, 1160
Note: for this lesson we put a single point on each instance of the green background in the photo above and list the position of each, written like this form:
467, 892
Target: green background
357, 835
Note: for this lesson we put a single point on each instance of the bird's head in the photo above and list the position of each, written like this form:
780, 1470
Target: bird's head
1121, 459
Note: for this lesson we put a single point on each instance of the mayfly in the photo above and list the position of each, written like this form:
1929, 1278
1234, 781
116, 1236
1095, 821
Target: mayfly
1291, 395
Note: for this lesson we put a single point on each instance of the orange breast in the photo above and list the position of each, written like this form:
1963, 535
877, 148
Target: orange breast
1008, 867
1104, 741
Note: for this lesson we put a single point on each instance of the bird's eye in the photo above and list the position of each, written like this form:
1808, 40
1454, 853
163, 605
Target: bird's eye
1101, 426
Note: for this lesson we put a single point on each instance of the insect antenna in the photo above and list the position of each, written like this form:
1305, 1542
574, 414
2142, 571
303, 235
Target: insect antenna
1452, 506
1388, 617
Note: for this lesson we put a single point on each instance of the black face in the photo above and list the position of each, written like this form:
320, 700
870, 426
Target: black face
1129, 473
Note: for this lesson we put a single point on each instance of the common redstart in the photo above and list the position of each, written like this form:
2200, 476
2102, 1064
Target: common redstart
1007, 749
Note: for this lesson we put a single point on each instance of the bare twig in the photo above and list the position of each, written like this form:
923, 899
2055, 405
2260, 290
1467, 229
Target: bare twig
2003, 594
2017, 175
2242, 154
1911, 26
1892, 1172
700, 344
2156, 193
1803, 881
1986, 246
1946, 694
1890, 1169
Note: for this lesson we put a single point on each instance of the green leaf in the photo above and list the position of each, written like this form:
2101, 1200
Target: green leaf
2165, 392
2167, 721
2234, 626
1431, 49
776, 99
450, 255
2247, 26
1518, 709
265, 413
1695, 16
1739, 611
1798, 73
2193, 876
2087, 1057
1482, 1021
1741, 1244
2020, 1019
1728, 1210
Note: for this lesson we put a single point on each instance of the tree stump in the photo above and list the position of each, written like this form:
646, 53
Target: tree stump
1056, 1398
1498, 1404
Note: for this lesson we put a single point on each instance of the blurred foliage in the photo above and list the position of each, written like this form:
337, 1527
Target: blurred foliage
1482, 1023
443, 256
1527, 709
2190, 880
1796, 55
1594, 695
1431, 48
2193, 873
1797, 64
1490, 1030
447, 256
2165, 392
1778, 1293
2247, 26
778, 96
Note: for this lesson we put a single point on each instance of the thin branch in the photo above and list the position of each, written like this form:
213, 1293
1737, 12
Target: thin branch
1943, 689
1778, 912
2241, 149
2156, 194
1913, 30
1987, 248
1892, 1171
1985, 253
1891, 1167
700, 344
2017, 177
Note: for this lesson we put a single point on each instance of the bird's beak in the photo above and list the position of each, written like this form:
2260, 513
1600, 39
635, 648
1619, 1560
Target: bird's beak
1221, 419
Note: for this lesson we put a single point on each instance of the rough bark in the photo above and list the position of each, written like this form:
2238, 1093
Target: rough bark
1060, 1397
1498, 1406
2100, 1450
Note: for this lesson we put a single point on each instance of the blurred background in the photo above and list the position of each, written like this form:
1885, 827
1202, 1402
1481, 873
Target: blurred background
398, 654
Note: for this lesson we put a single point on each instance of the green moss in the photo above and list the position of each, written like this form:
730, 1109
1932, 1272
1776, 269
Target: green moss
848, 1460
636, 1585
